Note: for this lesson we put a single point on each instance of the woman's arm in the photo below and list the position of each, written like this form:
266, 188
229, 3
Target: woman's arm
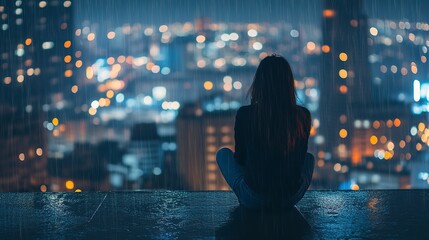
239, 137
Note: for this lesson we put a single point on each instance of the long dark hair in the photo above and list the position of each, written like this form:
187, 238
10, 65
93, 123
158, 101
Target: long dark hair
273, 92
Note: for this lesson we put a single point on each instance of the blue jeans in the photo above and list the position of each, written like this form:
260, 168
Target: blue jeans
234, 176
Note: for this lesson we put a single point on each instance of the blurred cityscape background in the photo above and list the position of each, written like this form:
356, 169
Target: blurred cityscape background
127, 95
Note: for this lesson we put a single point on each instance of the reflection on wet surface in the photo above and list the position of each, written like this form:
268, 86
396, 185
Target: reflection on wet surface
247, 224
394, 214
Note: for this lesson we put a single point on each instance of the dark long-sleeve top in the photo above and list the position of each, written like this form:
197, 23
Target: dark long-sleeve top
267, 170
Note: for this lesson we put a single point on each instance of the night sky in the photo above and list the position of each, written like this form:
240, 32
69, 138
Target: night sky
294, 11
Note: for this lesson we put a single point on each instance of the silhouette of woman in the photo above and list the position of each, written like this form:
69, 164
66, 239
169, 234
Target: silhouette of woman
270, 167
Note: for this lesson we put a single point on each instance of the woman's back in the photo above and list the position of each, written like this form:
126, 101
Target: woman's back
271, 165
269, 170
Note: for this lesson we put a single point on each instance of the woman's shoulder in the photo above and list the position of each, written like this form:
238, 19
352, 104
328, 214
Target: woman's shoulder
245, 109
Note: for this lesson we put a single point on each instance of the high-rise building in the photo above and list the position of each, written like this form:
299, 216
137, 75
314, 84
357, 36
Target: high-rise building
199, 135
346, 85
36, 66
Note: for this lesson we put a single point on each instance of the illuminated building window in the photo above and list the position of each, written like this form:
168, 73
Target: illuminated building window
211, 148
210, 129
226, 139
225, 129
212, 166
211, 176
211, 157
211, 139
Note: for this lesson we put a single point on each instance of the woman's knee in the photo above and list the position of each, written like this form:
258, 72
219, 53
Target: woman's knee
223, 153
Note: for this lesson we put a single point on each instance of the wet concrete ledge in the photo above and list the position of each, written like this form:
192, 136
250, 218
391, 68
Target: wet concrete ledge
388, 214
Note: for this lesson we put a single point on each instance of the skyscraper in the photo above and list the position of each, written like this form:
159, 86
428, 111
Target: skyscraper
199, 135
346, 86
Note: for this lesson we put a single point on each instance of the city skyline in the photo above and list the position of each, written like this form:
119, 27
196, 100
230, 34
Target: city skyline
114, 75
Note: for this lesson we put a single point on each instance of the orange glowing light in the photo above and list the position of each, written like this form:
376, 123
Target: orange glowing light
342, 73
312, 131
67, 44
343, 89
28, 41
110, 94
74, 89
373, 139
328, 13
343, 57
67, 59
343, 133
68, 73
389, 123
208, 85
69, 184
78, 63
326, 48
397, 122
376, 124
55, 121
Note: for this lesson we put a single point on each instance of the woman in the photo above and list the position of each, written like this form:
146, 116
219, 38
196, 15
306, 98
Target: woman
270, 166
